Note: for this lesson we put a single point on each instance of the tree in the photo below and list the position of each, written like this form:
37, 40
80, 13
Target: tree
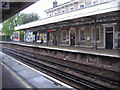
30, 17
16, 20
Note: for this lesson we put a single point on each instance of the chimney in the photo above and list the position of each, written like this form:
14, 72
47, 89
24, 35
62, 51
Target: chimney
55, 3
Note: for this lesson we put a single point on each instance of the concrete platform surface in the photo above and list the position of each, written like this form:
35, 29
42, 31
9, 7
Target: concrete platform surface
78, 49
35, 78
9, 81
28, 74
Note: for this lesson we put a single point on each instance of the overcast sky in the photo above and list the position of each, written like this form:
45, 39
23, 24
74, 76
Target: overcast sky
42, 5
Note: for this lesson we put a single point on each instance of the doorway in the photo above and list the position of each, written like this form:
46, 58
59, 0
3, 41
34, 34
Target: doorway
72, 36
109, 37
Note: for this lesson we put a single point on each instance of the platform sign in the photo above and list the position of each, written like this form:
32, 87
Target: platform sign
42, 37
5, 5
29, 36
16, 36
45, 37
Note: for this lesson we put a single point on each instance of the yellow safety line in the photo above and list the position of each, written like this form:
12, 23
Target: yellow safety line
14, 74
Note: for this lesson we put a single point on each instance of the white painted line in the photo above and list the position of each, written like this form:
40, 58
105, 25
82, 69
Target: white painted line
14, 74
45, 75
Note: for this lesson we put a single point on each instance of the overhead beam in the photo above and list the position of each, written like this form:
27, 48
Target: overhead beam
14, 8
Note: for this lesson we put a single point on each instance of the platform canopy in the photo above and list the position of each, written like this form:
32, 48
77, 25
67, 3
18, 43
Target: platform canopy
14, 6
93, 10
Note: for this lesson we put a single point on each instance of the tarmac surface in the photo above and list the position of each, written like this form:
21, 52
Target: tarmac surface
16, 75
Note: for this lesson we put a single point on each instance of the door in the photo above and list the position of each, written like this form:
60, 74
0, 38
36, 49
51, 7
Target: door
72, 37
54, 38
109, 40
109, 37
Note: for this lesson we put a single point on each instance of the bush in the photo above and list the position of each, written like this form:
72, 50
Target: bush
5, 38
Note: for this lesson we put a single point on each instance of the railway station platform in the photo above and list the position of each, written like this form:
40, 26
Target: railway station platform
18, 75
69, 63
101, 52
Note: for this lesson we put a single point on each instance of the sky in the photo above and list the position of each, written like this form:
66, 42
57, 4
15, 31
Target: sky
42, 5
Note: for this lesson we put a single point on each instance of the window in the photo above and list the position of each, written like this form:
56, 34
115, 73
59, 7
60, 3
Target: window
95, 2
63, 11
81, 5
82, 35
97, 32
50, 15
109, 29
65, 35
71, 8
101, 1
55, 13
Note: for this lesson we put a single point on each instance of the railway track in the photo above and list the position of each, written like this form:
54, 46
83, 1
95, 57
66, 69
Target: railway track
77, 78
61, 65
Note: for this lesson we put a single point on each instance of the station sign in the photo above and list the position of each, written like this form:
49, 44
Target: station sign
16, 36
51, 30
29, 36
5, 5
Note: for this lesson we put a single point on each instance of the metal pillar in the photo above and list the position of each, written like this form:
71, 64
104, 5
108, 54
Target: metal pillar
95, 34
47, 34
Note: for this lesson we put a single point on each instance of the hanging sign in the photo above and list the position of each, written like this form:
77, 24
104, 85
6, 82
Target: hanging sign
5, 5
51, 30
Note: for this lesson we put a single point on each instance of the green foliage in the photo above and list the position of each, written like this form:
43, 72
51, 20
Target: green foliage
4, 38
21, 36
21, 32
16, 20
30, 18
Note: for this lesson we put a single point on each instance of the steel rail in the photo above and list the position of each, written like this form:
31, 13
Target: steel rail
63, 73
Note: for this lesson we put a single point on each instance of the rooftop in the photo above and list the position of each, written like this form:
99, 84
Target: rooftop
61, 5
88, 11
14, 7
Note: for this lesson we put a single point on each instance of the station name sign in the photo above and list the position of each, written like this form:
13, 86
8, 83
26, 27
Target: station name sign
5, 5
51, 30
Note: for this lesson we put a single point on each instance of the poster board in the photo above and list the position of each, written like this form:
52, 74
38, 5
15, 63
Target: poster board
29, 36
16, 36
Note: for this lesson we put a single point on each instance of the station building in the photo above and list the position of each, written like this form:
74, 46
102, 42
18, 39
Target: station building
79, 23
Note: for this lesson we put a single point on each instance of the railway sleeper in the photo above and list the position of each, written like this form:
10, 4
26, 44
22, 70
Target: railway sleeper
24, 57
96, 76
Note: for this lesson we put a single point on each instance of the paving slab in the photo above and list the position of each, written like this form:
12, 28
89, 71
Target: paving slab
11, 64
28, 74
10, 81
5, 58
34, 78
42, 82
20, 68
